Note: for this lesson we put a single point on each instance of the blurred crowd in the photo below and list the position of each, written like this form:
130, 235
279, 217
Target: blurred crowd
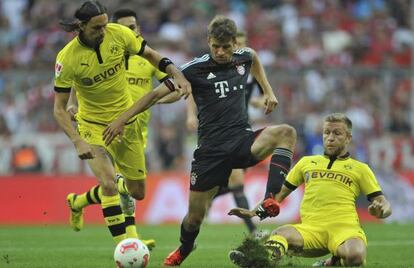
321, 56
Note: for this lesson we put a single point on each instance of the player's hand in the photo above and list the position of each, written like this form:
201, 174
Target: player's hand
182, 86
114, 129
84, 150
72, 110
270, 102
242, 213
379, 209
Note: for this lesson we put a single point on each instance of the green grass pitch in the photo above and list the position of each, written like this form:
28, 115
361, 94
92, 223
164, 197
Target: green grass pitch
390, 245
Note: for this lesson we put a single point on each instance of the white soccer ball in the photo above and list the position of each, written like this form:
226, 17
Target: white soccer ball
131, 252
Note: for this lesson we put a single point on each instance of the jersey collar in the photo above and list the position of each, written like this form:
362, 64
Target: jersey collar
341, 157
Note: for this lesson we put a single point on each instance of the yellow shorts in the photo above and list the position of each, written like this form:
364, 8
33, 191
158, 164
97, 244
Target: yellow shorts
127, 154
328, 236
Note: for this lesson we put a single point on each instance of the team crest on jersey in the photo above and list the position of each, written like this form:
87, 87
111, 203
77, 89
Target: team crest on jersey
240, 69
58, 68
115, 50
193, 178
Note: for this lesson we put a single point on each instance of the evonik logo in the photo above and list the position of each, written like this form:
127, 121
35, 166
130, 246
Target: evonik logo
87, 81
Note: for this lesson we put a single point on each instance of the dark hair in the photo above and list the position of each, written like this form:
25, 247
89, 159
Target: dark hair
222, 28
122, 13
88, 10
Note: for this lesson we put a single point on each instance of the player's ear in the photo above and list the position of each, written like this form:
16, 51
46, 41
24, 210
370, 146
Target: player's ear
82, 26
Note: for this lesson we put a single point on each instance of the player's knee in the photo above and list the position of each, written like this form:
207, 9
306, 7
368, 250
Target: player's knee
354, 258
285, 134
137, 194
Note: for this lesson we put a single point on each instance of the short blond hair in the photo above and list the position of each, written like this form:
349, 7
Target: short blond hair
339, 117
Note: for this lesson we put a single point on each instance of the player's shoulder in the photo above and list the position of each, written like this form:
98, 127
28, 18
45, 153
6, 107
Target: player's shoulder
196, 62
69, 49
311, 158
243, 51
359, 164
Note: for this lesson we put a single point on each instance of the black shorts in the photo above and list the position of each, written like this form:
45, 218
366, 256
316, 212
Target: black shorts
212, 165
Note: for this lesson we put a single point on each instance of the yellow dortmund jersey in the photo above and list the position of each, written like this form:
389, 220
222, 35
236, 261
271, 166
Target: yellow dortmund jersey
139, 75
98, 75
331, 188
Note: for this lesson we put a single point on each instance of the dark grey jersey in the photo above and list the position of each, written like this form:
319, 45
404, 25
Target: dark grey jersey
219, 91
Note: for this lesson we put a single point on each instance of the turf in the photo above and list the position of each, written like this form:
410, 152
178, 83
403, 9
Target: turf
58, 246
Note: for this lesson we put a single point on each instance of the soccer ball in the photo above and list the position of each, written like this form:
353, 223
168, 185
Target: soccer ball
131, 252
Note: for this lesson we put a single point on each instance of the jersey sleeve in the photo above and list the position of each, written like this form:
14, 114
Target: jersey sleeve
295, 176
161, 76
133, 44
64, 75
368, 183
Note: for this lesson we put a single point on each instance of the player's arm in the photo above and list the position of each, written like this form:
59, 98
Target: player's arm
72, 105
166, 65
192, 120
380, 207
170, 98
258, 72
116, 127
63, 118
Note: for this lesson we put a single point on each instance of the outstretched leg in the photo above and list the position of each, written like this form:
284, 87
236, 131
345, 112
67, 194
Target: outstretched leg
190, 226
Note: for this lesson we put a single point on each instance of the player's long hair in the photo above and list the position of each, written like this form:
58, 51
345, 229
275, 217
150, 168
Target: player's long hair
83, 14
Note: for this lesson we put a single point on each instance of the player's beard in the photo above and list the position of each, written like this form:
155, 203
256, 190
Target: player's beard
335, 153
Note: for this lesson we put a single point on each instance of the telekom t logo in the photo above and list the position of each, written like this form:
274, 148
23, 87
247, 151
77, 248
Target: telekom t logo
221, 88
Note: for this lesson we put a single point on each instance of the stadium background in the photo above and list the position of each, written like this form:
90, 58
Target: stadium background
321, 56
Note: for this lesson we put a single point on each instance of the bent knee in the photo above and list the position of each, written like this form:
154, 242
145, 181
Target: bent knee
137, 195
287, 131
354, 259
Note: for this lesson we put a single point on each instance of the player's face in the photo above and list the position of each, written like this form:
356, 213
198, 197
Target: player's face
221, 52
94, 30
335, 138
241, 42
131, 23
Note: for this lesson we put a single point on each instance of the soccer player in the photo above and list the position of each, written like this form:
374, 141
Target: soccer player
329, 221
236, 179
139, 75
225, 138
93, 64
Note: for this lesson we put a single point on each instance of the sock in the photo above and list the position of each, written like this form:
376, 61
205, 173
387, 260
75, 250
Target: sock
93, 196
277, 246
120, 181
241, 202
114, 218
187, 239
131, 229
278, 169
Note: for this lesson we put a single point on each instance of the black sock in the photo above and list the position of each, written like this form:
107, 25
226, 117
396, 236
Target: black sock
278, 169
241, 202
187, 239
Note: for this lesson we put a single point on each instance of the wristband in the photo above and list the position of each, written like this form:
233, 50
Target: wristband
164, 62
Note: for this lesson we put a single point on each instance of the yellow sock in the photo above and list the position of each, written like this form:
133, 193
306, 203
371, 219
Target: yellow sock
114, 218
131, 229
93, 196
277, 246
